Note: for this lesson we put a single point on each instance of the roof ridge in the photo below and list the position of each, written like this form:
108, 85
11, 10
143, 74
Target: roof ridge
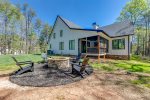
116, 23
69, 23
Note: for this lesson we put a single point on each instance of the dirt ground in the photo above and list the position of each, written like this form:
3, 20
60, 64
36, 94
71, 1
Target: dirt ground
98, 86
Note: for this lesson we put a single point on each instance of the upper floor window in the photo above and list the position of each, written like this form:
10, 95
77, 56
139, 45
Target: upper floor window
61, 33
118, 44
54, 35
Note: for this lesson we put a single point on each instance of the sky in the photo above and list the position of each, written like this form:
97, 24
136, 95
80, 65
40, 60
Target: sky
81, 12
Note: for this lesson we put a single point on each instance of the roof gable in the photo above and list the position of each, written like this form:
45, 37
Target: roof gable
119, 29
114, 30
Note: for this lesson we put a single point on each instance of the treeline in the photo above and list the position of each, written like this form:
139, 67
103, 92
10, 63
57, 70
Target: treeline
138, 12
21, 31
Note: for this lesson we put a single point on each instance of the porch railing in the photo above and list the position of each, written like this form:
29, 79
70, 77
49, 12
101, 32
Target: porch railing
95, 50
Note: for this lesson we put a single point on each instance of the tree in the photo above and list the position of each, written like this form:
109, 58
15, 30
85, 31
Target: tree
134, 11
29, 14
9, 12
38, 26
18, 28
44, 37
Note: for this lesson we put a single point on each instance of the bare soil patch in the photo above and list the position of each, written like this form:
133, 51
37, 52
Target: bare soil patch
98, 86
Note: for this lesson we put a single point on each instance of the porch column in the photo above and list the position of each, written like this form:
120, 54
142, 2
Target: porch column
98, 47
86, 45
79, 45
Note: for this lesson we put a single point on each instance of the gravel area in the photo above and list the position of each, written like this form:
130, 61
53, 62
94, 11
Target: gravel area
46, 76
98, 86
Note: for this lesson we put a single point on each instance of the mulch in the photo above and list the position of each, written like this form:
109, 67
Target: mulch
44, 76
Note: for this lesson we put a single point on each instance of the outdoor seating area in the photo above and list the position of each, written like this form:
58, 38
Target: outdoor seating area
54, 72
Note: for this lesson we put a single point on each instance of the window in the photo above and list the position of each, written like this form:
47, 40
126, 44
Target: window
54, 35
61, 45
118, 44
71, 44
61, 33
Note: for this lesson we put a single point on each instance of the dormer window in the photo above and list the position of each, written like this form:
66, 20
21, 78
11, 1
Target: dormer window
61, 33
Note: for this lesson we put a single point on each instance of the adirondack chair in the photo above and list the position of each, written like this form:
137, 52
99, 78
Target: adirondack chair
77, 58
80, 69
28, 66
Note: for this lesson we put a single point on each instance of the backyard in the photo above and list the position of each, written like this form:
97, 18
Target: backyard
113, 79
135, 66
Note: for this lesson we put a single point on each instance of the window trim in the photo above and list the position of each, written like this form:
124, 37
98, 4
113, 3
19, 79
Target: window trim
71, 45
61, 45
117, 47
61, 33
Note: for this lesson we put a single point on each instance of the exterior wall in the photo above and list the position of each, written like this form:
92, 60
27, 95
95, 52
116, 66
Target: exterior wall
77, 34
67, 35
119, 51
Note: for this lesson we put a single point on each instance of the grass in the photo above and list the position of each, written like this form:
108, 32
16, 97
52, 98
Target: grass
7, 63
132, 65
136, 64
142, 80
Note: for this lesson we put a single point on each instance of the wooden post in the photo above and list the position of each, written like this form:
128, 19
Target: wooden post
104, 51
80, 45
104, 56
86, 45
98, 40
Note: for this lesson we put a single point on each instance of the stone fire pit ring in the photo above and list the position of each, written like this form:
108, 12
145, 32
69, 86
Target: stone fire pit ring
59, 62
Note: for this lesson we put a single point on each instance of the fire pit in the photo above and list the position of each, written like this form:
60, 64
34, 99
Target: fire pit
59, 62
45, 75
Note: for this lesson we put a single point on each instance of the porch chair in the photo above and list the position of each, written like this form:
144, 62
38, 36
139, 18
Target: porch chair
29, 66
80, 69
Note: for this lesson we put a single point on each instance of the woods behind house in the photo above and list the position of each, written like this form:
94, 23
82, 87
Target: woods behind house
138, 12
21, 31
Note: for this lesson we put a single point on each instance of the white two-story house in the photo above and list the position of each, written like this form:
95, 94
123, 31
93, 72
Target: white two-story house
70, 39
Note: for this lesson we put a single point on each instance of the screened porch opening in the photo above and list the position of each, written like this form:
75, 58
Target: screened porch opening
93, 45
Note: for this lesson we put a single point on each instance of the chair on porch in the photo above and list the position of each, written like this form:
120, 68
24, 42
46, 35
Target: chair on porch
80, 69
28, 66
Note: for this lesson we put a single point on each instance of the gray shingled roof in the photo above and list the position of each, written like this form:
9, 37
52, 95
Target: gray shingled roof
119, 29
70, 24
113, 30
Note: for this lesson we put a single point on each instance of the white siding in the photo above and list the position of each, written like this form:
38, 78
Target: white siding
67, 35
75, 35
120, 51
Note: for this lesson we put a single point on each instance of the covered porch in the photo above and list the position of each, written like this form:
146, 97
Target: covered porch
94, 46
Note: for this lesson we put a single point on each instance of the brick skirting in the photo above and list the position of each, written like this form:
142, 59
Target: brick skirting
119, 57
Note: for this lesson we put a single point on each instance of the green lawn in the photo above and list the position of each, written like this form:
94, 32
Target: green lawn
133, 65
136, 64
7, 63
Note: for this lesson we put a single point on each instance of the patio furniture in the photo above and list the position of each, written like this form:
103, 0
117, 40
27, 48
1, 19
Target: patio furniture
80, 69
28, 66
77, 59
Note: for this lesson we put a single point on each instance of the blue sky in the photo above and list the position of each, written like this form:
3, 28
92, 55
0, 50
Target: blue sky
81, 12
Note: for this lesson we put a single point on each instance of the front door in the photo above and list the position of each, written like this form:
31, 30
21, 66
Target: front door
83, 46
